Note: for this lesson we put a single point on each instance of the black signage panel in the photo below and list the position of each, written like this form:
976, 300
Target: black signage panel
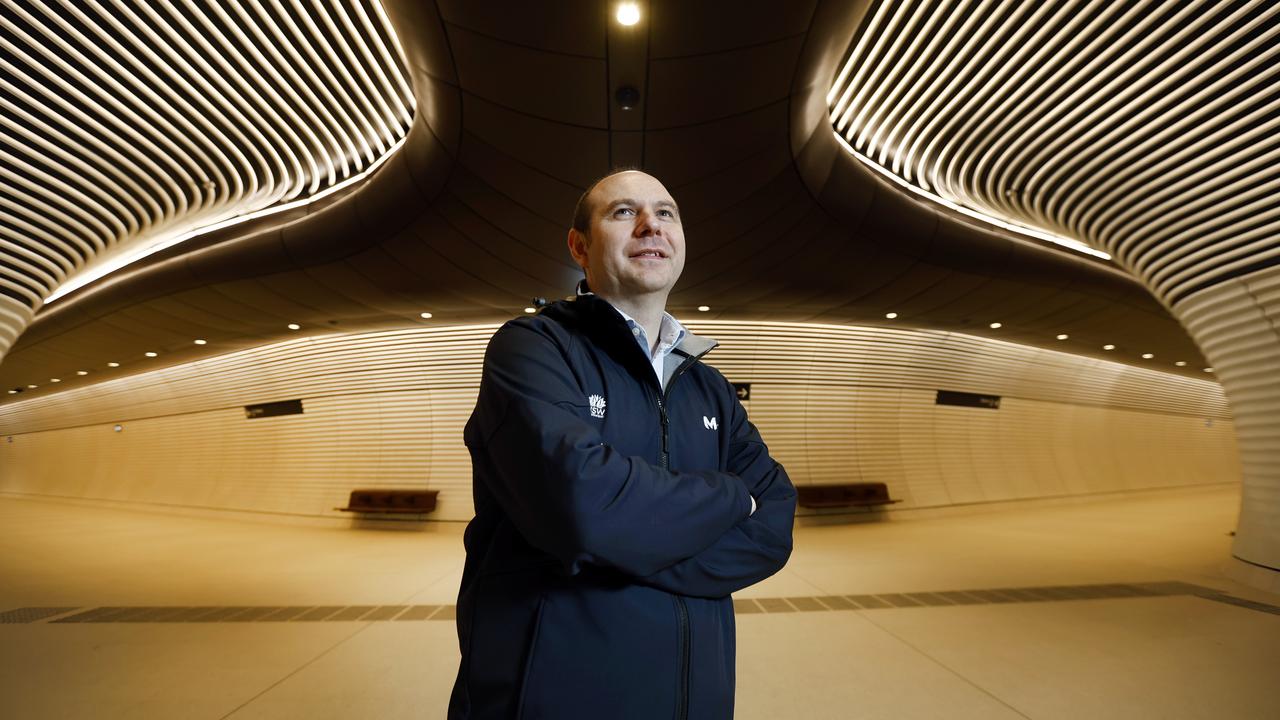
964, 399
743, 390
284, 407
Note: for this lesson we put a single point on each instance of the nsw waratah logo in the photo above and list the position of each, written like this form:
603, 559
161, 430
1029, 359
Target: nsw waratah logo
597, 406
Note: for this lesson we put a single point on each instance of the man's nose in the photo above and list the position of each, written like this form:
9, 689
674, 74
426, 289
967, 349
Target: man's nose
647, 224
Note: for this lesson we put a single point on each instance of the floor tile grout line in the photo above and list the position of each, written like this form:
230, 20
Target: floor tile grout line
942, 665
295, 671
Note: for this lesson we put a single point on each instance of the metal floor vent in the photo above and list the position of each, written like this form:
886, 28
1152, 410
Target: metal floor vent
401, 613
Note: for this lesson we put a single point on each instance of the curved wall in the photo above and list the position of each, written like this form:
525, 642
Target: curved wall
834, 403
1237, 322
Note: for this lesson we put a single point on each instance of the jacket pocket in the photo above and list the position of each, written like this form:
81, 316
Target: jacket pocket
530, 655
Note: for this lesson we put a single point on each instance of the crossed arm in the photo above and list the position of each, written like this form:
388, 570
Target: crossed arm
573, 496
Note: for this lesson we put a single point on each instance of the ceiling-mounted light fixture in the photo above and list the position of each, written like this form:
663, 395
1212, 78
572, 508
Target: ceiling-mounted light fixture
425, 316
703, 308
1108, 347
628, 13
1063, 336
891, 316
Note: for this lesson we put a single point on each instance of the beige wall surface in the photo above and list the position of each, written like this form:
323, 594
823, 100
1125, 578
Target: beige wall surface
834, 403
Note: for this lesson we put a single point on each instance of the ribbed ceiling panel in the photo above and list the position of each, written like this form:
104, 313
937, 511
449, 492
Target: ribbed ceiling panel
127, 127
1146, 129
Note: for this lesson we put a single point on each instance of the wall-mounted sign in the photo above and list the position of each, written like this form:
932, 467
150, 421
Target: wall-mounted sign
964, 399
284, 407
743, 390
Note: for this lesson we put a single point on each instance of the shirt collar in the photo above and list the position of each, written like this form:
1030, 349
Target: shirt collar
670, 332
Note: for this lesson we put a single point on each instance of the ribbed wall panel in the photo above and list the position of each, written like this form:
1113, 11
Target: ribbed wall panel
1144, 129
125, 129
834, 403
1238, 325
1141, 131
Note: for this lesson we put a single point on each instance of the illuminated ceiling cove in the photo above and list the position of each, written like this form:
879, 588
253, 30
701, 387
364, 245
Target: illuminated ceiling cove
131, 127
1146, 129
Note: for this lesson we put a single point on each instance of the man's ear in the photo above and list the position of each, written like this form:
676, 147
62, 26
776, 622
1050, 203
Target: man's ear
578, 247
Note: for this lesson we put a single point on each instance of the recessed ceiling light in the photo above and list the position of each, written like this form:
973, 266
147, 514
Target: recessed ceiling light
425, 316
891, 316
996, 326
1108, 347
703, 308
530, 310
1147, 356
202, 342
1208, 369
628, 13
150, 354
295, 326
55, 379
82, 372
13, 392
33, 387
1063, 336
1181, 363
113, 364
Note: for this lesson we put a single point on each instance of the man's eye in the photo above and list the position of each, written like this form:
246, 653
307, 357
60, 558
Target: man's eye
666, 213
619, 211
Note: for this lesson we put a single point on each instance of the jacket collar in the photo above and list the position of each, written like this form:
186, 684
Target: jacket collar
691, 345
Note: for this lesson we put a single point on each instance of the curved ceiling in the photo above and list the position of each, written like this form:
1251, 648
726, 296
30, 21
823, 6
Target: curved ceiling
1145, 128
515, 116
126, 129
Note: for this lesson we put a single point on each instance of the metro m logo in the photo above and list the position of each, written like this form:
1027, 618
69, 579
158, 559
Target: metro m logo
710, 423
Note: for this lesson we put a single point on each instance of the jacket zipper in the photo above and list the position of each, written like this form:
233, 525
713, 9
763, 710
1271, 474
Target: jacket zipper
682, 611
682, 695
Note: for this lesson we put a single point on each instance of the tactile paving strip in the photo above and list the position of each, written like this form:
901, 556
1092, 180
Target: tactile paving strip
404, 613
32, 614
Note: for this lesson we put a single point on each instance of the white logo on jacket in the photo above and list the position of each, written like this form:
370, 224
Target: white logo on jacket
597, 406
710, 423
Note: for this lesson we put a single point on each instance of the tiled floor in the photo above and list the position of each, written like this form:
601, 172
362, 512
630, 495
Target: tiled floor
1118, 608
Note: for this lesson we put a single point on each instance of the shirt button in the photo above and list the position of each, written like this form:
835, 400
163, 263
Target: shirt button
635, 331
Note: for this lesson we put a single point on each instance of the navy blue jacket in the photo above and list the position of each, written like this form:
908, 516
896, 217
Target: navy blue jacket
609, 530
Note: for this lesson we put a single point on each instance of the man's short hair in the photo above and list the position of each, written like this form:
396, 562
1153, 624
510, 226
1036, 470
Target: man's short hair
582, 211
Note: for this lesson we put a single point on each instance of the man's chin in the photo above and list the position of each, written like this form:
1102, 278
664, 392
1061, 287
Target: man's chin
647, 286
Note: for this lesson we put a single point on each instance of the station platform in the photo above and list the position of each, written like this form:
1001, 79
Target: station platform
1112, 608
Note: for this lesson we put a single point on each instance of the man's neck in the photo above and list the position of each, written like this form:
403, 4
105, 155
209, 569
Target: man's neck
646, 310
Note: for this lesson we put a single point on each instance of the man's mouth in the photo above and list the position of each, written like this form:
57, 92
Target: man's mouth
649, 254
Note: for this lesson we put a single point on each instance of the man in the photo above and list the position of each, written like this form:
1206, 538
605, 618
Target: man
621, 494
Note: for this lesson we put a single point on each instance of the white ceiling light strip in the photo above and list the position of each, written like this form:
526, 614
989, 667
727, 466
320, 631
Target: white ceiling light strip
129, 127
1142, 130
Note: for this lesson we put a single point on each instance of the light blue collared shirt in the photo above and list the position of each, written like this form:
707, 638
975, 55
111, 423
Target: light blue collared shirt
670, 333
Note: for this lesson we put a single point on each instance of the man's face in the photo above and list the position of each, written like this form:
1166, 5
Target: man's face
636, 243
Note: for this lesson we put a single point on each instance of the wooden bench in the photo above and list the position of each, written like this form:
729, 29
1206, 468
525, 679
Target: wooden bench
846, 495
397, 502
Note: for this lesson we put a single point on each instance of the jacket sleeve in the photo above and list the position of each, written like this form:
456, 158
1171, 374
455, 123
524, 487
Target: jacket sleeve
565, 490
757, 546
